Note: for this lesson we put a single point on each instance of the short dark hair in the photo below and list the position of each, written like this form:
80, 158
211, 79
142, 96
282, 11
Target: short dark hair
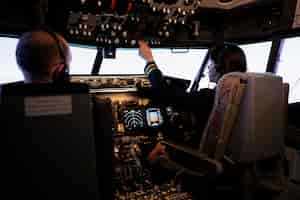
228, 58
34, 54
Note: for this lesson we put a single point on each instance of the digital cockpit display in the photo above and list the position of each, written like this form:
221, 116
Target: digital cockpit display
133, 118
154, 117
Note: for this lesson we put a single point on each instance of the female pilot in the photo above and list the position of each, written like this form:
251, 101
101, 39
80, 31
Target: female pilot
223, 59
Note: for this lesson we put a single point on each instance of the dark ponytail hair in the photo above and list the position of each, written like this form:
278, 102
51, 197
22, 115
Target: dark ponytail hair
228, 58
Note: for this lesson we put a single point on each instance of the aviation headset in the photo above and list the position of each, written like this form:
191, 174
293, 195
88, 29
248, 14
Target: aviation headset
60, 76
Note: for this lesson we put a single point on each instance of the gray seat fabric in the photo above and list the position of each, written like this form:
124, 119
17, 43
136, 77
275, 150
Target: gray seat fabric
247, 121
259, 129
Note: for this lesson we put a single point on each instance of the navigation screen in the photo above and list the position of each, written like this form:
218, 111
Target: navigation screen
133, 118
154, 117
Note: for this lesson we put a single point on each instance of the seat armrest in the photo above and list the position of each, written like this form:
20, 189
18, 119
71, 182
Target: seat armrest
191, 161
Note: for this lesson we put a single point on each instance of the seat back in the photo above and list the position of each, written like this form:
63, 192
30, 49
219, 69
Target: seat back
246, 127
259, 131
229, 92
50, 142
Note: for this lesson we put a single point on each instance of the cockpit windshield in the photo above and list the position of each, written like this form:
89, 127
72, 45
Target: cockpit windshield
176, 63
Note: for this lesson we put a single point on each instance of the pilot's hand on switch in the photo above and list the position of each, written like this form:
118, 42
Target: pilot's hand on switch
157, 152
145, 51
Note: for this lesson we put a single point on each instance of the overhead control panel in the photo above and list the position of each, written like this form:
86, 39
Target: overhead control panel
124, 22
163, 23
261, 22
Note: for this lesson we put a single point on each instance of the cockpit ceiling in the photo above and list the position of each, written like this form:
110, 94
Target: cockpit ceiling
227, 4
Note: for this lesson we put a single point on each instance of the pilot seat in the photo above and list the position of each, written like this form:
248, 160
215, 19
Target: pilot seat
47, 135
244, 136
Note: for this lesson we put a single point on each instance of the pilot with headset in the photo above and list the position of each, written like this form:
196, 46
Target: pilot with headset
43, 56
223, 59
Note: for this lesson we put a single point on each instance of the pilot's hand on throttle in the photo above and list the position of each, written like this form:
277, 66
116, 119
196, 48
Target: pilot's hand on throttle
157, 152
145, 51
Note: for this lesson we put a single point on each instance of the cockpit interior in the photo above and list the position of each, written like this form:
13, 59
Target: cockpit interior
93, 137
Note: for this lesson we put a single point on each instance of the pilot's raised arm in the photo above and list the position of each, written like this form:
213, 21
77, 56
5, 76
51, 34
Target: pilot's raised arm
155, 76
163, 92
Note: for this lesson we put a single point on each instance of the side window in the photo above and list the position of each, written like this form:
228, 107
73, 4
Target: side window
257, 56
289, 67
10, 71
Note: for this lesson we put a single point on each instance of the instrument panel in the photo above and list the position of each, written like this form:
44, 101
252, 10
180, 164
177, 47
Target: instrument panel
133, 115
107, 83
133, 110
136, 124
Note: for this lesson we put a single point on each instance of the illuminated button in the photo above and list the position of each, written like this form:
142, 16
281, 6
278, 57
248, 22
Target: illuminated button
124, 34
115, 26
121, 128
117, 41
132, 42
113, 33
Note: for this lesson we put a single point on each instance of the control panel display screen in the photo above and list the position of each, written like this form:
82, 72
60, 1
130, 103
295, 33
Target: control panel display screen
154, 117
133, 118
